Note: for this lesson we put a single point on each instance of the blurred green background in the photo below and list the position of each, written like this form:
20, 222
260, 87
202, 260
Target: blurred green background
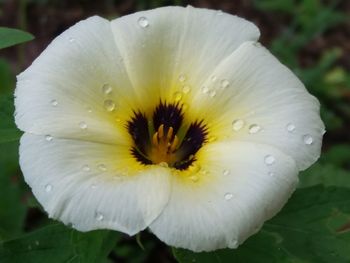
312, 37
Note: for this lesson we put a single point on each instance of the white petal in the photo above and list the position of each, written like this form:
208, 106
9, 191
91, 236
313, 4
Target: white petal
235, 193
62, 92
167, 48
269, 100
91, 185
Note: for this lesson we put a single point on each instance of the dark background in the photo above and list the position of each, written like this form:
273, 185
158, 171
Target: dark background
311, 37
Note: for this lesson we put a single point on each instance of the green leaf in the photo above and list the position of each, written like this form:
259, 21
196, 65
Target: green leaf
10, 37
58, 243
8, 129
7, 79
313, 227
325, 174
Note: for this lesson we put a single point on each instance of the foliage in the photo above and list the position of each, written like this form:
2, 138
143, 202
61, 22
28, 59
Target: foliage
313, 226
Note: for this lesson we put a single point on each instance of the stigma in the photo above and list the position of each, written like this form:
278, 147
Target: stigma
164, 145
163, 137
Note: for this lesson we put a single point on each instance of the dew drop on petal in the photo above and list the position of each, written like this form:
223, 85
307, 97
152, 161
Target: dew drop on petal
143, 22
182, 78
48, 138
213, 78
99, 216
194, 168
212, 93
205, 89
83, 125
86, 168
233, 244
106, 89
71, 39
269, 159
186, 89
163, 164
290, 127
54, 103
254, 128
237, 124
226, 172
271, 174
228, 196
194, 178
102, 167
48, 188
177, 96
308, 140
225, 83
89, 110
109, 105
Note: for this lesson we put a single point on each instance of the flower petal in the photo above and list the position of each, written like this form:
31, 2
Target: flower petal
77, 88
240, 186
171, 47
262, 101
92, 185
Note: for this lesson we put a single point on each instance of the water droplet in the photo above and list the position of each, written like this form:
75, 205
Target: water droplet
212, 93
83, 125
186, 89
233, 244
99, 216
48, 138
109, 105
226, 172
269, 159
48, 188
182, 78
164, 164
102, 167
254, 128
225, 83
107, 89
54, 103
71, 39
256, 44
194, 178
271, 174
228, 196
205, 89
212, 139
237, 124
89, 110
308, 140
213, 78
177, 96
194, 168
290, 127
143, 22
85, 168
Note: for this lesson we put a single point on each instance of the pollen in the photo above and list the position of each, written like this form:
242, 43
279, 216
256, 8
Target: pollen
164, 138
164, 146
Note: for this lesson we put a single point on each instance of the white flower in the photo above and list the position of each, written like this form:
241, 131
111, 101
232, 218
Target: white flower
173, 119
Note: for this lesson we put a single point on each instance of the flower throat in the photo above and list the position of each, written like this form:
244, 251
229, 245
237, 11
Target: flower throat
164, 138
